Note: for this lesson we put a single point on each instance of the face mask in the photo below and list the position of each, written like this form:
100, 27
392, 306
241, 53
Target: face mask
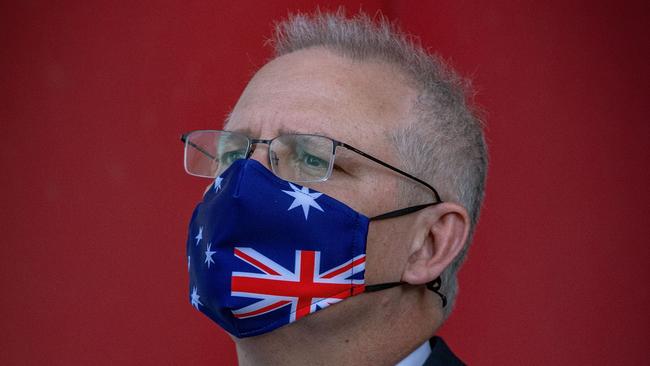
263, 252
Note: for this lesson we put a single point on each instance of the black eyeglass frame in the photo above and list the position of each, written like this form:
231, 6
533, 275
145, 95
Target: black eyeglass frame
335, 144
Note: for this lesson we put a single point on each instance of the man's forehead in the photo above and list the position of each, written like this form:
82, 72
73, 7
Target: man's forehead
374, 140
315, 91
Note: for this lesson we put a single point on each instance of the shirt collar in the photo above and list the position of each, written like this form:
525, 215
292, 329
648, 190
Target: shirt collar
417, 357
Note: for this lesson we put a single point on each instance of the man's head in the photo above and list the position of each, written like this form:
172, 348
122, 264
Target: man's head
363, 83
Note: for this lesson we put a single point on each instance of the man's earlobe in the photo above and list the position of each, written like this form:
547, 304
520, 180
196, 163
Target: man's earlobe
440, 234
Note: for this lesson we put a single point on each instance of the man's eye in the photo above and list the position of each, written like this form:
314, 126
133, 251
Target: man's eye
313, 162
230, 157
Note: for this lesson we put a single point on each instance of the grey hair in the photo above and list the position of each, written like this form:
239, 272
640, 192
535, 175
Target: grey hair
444, 143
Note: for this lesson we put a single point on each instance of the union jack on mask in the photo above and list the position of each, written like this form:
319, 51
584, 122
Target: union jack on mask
263, 252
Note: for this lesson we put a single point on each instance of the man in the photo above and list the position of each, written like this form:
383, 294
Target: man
358, 121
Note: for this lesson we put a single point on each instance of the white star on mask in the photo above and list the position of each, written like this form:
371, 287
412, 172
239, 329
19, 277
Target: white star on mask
195, 298
303, 198
208, 255
217, 184
199, 236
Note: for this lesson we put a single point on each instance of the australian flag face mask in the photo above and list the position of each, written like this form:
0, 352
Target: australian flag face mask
263, 252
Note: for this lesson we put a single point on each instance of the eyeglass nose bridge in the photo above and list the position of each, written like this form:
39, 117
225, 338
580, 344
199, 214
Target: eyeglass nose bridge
273, 160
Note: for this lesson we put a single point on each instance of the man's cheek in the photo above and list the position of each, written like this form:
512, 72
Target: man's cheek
386, 250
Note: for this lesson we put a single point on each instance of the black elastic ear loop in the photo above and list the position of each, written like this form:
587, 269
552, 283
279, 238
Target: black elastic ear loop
402, 211
434, 286
382, 286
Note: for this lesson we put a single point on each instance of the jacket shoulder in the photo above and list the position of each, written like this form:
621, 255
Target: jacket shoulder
441, 354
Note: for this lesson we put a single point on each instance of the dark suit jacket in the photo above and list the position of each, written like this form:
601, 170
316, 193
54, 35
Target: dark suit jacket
441, 355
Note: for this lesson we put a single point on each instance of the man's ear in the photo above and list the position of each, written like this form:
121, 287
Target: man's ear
439, 235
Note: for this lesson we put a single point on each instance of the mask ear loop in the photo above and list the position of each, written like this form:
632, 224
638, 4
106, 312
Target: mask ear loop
434, 286
402, 212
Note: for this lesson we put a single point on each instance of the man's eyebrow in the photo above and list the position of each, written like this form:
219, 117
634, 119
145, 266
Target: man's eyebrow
244, 131
288, 130
283, 130
317, 131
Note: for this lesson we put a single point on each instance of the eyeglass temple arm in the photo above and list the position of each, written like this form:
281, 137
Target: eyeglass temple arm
435, 193
338, 143
186, 141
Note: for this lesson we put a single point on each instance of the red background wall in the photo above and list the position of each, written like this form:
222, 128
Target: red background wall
95, 202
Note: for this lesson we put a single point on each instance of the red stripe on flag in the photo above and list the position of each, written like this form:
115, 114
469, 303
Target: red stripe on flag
345, 268
287, 288
307, 259
255, 262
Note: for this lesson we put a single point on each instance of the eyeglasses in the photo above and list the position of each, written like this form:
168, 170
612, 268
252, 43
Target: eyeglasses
300, 158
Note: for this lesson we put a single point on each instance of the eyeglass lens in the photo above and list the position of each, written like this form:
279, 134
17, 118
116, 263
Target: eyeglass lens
297, 158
